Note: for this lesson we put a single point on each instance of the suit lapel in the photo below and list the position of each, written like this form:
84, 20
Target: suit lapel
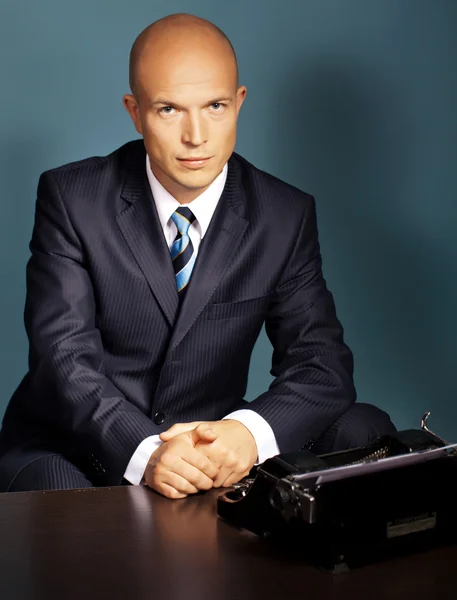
140, 226
216, 250
139, 223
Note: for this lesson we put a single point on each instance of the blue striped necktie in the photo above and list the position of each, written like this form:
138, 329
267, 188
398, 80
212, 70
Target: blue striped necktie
182, 250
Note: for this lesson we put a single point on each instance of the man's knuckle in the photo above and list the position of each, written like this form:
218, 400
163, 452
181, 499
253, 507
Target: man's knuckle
205, 483
205, 464
187, 487
168, 493
232, 459
223, 453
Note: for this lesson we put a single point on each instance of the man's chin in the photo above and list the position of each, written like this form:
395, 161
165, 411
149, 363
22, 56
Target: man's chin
195, 182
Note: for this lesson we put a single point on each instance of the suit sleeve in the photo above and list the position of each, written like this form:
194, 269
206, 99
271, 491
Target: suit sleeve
72, 393
311, 364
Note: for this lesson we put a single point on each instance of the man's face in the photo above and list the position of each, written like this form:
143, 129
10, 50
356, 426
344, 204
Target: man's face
186, 109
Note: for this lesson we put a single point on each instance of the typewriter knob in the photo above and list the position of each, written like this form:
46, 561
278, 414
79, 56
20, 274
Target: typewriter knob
241, 488
281, 499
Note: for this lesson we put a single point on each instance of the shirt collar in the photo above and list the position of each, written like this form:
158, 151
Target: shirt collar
203, 206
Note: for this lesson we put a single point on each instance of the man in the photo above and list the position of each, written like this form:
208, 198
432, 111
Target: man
152, 273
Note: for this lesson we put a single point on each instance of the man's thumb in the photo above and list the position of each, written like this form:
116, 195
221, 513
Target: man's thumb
202, 433
176, 429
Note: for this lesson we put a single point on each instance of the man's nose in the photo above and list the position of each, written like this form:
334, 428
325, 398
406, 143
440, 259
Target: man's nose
195, 130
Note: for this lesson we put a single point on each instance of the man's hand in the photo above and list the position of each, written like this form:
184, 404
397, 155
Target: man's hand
228, 444
177, 468
182, 427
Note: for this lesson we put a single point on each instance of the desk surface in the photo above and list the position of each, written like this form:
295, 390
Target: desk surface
129, 542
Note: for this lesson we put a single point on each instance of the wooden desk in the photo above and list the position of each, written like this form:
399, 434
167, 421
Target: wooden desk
131, 543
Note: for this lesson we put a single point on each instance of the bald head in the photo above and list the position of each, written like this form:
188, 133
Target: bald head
179, 33
185, 101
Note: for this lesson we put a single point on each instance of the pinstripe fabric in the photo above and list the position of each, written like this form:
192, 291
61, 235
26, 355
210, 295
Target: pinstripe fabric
49, 473
358, 426
114, 358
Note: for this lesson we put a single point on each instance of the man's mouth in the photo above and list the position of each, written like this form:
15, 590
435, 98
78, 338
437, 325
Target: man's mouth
195, 162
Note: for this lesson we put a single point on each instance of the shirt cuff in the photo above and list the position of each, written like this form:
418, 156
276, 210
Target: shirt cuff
260, 430
134, 472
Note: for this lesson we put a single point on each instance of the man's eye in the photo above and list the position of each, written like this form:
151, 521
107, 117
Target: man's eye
216, 105
166, 109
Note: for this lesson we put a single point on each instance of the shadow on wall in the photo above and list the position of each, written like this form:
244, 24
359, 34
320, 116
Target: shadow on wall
350, 143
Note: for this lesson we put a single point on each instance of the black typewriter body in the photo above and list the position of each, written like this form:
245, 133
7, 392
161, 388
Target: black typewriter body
364, 517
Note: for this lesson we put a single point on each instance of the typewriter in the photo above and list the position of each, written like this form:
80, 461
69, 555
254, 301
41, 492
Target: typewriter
346, 509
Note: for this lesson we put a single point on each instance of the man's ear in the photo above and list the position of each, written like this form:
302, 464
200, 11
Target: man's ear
240, 96
131, 106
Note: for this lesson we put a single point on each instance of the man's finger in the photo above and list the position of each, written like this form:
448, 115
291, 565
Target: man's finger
202, 433
178, 428
180, 475
229, 467
189, 464
216, 452
180, 484
234, 477
200, 464
169, 492
228, 477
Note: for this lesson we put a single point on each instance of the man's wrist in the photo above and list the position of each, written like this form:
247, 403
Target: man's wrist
244, 428
261, 431
135, 470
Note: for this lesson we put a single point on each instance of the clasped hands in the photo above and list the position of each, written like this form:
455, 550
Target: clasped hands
199, 456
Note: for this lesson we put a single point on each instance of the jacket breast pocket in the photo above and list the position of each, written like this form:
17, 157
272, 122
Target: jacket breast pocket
238, 309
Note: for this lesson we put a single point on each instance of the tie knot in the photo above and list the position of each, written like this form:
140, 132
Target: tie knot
183, 217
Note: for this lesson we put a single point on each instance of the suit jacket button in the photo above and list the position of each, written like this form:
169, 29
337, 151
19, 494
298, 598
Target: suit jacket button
159, 418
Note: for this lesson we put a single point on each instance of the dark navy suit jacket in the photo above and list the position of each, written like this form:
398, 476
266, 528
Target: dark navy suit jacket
114, 358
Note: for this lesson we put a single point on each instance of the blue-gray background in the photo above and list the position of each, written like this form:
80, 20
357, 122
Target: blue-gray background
353, 101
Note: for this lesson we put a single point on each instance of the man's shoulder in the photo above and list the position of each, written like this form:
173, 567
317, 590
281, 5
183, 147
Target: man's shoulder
273, 186
96, 164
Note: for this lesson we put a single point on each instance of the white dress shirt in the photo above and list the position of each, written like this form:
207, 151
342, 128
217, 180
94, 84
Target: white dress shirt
203, 208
